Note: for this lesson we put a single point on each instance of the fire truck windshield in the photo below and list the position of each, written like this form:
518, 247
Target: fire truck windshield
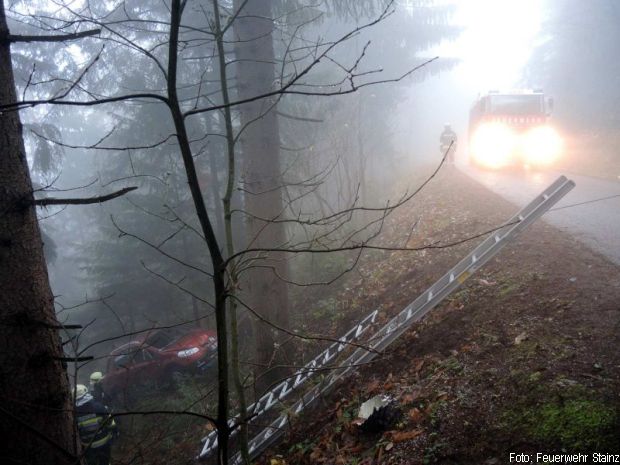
527, 104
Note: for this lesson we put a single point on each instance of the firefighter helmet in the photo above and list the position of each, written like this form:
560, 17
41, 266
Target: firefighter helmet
80, 391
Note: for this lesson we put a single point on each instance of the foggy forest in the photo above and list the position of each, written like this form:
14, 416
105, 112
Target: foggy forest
293, 232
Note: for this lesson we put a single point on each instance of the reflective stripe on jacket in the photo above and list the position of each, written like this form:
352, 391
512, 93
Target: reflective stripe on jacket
95, 424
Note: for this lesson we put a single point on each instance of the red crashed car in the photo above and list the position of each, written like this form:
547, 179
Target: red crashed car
159, 356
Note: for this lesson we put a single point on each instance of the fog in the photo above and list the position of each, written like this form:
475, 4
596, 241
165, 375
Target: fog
335, 122
485, 49
390, 129
400, 121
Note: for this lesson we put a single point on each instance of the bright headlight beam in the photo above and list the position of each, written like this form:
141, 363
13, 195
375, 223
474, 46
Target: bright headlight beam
493, 145
541, 146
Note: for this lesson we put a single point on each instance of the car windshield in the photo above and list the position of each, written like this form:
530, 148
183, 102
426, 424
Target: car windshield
164, 337
122, 361
517, 104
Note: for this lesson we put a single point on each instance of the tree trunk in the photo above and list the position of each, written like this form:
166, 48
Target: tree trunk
230, 247
36, 420
219, 271
261, 174
214, 181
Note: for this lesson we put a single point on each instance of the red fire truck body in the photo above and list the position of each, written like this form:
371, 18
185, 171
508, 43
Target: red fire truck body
511, 129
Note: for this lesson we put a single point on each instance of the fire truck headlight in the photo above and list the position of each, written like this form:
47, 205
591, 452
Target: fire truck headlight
541, 146
493, 145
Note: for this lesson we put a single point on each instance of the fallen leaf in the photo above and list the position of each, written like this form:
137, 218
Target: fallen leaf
419, 365
354, 449
414, 415
467, 347
388, 446
379, 454
400, 436
520, 338
373, 386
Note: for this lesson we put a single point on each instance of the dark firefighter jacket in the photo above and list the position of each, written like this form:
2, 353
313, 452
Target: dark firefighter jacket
447, 136
95, 424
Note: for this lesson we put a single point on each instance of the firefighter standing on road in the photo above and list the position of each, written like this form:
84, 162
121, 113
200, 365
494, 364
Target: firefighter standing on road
95, 425
448, 136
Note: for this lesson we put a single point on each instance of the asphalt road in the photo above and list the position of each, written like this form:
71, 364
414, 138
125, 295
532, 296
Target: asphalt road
590, 212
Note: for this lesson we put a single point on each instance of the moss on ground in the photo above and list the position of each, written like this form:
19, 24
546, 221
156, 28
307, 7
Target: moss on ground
574, 425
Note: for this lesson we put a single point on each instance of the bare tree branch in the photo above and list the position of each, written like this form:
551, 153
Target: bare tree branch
12, 38
154, 246
299, 118
46, 202
165, 412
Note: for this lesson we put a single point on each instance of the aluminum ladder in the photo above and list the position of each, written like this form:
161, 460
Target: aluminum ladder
381, 339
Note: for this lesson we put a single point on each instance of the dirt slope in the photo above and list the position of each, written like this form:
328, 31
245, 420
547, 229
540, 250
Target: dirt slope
524, 358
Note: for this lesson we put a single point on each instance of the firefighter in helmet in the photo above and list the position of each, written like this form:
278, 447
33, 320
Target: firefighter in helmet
448, 136
95, 388
96, 427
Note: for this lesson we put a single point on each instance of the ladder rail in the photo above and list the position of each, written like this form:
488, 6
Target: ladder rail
286, 387
481, 255
416, 310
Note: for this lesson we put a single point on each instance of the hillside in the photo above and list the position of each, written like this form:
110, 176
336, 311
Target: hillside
521, 359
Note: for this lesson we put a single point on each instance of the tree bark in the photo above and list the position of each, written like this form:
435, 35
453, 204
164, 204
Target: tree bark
261, 174
36, 419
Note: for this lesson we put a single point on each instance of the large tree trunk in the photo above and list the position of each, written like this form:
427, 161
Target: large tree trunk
36, 421
261, 174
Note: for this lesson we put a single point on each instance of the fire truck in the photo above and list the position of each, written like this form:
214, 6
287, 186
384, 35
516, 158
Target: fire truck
511, 129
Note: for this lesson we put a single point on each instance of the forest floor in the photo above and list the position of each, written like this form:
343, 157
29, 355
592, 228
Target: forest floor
523, 358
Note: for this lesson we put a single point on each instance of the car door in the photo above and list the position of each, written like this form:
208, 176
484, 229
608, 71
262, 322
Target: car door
152, 364
143, 366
